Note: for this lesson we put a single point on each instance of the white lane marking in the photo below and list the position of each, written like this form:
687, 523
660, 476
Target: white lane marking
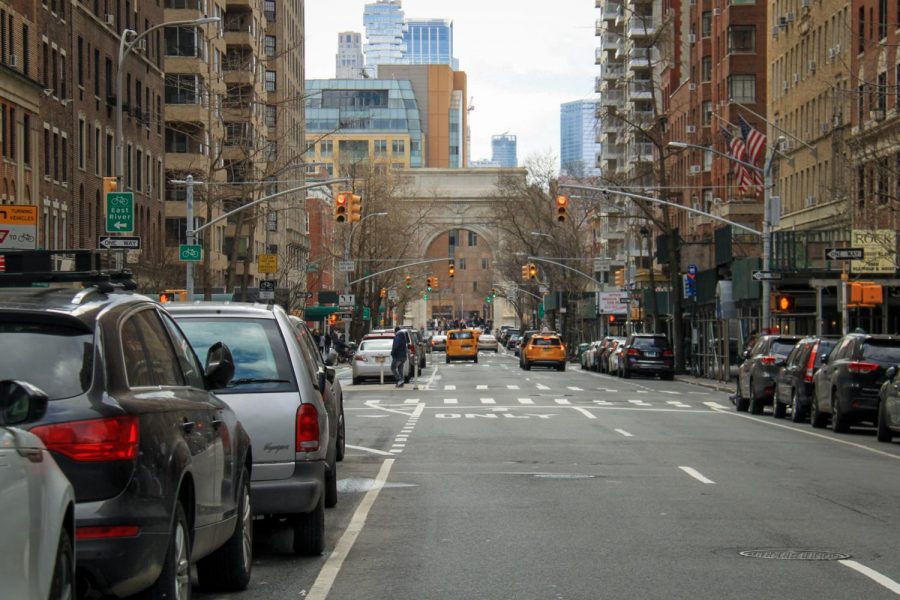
411, 401
526, 401
640, 391
451, 401
623, 432
332, 566
608, 390
481, 387
512, 387
449, 388
696, 475
373, 416
561, 401
575, 389
369, 450
604, 403
541, 386
714, 405
674, 393
585, 412
678, 404
640, 403
434, 375
488, 401
373, 404
873, 575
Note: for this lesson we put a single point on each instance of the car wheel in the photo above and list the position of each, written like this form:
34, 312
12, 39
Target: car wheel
741, 404
331, 492
798, 414
175, 579
756, 405
884, 431
779, 410
817, 419
838, 421
626, 374
667, 376
475, 360
357, 380
561, 367
228, 568
63, 585
448, 360
342, 437
309, 530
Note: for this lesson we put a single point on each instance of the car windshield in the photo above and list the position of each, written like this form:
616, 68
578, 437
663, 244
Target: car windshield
375, 345
461, 335
261, 362
650, 343
57, 359
883, 351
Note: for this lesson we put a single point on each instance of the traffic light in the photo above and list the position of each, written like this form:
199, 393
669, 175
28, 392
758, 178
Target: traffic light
562, 208
382, 293
332, 318
408, 281
355, 212
525, 272
488, 299
434, 282
620, 277
109, 185
341, 207
428, 284
532, 271
783, 302
612, 319
452, 270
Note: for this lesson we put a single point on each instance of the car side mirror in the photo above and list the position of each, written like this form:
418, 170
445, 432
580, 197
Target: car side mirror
824, 359
746, 354
330, 357
330, 374
21, 402
219, 366
891, 373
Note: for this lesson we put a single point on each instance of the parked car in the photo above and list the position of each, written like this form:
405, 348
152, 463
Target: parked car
545, 350
281, 392
647, 353
586, 359
508, 333
889, 406
848, 385
36, 505
614, 357
605, 352
513, 342
488, 342
756, 374
159, 464
418, 343
373, 360
462, 344
794, 381
438, 342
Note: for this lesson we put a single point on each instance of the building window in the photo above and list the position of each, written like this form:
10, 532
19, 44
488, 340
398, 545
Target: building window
270, 46
326, 148
461, 263
269, 9
742, 88
706, 24
182, 89
271, 116
55, 157
380, 147
473, 239
64, 159
26, 50
474, 286
271, 85
485, 264
706, 68
742, 38
862, 30
82, 139
98, 158
139, 171
128, 171
26, 139
96, 72
706, 114
882, 19
398, 147
707, 160
182, 41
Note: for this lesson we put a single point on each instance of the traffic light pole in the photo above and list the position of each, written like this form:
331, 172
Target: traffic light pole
190, 234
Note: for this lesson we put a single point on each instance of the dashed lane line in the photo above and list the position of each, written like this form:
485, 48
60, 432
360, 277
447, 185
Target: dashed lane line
696, 475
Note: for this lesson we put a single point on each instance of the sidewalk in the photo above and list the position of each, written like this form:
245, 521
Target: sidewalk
722, 386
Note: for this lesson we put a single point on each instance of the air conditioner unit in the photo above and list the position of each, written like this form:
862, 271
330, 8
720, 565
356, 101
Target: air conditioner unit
717, 200
141, 46
782, 22
796, 78
717, 12
692, 38
804, 3
831, 53
695, 169
810, 201
110, 19
790, 17
691, 129
824, 127
876, 114
812, 66
692, 87
13, 61
148, 189
775, 32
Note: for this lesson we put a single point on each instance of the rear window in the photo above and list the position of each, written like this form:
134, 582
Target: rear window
544, 341
371, 345
882, 351
825, 347
461, 335
261, 361
648, 343
782, 347
55, 358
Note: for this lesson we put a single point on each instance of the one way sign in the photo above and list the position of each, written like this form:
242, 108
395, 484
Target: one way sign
128, 242
845, 254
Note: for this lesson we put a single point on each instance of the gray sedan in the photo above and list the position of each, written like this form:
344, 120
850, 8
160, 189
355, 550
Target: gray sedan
373, 358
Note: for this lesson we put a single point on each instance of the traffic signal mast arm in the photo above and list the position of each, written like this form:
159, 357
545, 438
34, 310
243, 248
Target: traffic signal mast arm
403, 266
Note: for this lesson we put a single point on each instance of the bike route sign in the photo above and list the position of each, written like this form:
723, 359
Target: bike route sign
190, 252
119, 212
18, 227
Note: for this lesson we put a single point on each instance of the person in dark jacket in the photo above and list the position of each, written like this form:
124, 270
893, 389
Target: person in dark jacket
399, 352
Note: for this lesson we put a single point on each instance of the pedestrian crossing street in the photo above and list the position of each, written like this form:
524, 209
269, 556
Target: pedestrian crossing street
488, 402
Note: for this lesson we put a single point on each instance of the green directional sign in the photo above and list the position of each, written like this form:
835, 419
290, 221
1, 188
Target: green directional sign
190, 252
119, 212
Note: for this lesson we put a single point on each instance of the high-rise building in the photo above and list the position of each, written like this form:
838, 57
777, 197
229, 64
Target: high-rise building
503, 150
429, 42
385, 27
579, 150
349, 61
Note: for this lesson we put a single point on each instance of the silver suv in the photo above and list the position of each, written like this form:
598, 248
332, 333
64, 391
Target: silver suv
282, 394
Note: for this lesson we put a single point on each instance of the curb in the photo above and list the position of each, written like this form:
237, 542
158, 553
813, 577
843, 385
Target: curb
714, 385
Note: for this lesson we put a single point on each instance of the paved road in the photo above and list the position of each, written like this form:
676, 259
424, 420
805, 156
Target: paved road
500, 483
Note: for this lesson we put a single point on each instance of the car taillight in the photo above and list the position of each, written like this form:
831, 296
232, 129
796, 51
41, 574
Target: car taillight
633, 352
861, 367
307, 428
96, 440
99, 533
810, 365
412, 349
768, 360
668, 353
360, 358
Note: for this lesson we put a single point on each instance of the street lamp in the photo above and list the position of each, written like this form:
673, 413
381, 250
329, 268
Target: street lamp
124, 48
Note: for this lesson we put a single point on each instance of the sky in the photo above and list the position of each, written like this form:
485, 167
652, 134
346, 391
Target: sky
523, 58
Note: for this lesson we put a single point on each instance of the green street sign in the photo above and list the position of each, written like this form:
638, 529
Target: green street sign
541, 310
119, 212
190, 252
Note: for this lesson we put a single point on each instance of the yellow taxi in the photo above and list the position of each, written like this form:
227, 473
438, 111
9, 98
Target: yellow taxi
462, 344
545, 350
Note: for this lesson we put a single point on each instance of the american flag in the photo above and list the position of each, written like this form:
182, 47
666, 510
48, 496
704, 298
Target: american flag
736, 150
755, 141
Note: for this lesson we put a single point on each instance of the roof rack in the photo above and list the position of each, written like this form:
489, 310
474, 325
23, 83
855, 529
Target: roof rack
37, 266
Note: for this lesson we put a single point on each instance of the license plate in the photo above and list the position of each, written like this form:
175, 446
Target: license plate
651, 354
465, 347
379, 359
548, 349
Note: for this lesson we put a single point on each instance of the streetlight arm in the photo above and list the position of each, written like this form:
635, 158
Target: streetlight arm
559, 264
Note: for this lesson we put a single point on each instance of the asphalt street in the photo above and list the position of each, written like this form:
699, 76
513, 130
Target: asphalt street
488, 482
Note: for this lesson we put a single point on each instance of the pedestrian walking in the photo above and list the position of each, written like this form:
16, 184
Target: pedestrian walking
399, 353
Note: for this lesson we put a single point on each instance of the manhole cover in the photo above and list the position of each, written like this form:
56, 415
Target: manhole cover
794, 554
562, 476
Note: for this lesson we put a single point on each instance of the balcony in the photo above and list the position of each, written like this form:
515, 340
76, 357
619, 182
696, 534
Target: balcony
642, 58
612, 151
612, 71
612, 98
611, 11
611, 41
640, 152
641, 26
640, 90
612, 125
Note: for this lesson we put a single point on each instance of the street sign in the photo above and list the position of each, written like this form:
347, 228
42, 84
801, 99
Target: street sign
392, 294
306, 295
131, 242
346, 266
119, 212
267, 289
601, 265
612, 303
845, 253
190, 252
267, 263
346, 300
18, 227
766, 276
692, 269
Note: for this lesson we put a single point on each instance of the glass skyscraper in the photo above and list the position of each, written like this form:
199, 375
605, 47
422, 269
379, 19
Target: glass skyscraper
385, 28
578, 139
503, 150
429, 42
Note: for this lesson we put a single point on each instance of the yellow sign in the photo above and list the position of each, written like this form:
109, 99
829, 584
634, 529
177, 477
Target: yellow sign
12, 214
880, 248
267, 263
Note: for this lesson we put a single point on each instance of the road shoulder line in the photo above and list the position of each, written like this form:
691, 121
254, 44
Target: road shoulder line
872, 574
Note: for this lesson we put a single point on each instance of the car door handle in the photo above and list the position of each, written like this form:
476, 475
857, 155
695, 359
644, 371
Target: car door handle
217, 423
188, 426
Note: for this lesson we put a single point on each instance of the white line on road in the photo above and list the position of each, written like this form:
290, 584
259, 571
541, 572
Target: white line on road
370, 450
481, 387
696, 475
873, 575
623, 432
449, 388
411, 401
639, 403
332, 566
541, 386
575, 389
526, 401
673, 392
604, 403
585, 412
488, 401
678, 404
451, 401
714, 405
561, 401
512, 387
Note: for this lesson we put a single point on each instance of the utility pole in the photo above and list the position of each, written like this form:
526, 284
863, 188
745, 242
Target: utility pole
189, 221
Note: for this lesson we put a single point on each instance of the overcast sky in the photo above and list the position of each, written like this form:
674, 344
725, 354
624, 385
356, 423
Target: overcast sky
523, 59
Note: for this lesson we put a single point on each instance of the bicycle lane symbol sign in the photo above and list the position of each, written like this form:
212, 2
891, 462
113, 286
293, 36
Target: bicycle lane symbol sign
18, 227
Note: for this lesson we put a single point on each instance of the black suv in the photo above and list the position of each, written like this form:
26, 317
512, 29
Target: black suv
159, 464
756, 375
794, 382
647, 353
848, 384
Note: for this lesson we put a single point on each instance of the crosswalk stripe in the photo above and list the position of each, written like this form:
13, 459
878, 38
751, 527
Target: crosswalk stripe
512, 387
488, 401
411, 401
575, 389
678, 404
526, 401
541, 386
714, 405
481, 387
640, 403
451, 401
604, 403
562, 401
673, 392
449, 388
